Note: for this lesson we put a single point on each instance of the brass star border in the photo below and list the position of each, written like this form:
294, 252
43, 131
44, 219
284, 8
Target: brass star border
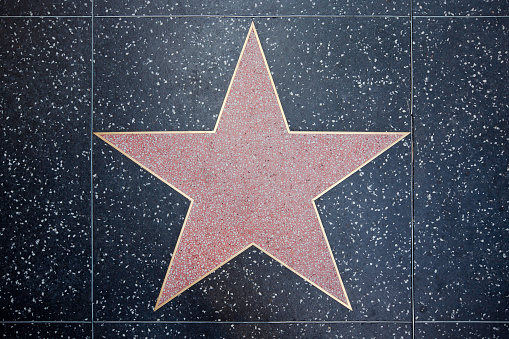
136, 146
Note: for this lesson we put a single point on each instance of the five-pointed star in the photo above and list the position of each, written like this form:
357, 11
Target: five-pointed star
252, 181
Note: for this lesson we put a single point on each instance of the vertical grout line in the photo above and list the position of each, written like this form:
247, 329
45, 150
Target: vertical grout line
92, 175
412, 192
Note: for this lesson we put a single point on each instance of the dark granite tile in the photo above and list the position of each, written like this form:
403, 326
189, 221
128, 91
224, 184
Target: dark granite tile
253, 8
163, 74
256, 330
138, 218
151, 71
461, 177
46, 7
462, 330
45, 173
46, 330
460, 7
367, 220
340, 74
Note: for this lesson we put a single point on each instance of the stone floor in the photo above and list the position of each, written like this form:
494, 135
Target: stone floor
419, 233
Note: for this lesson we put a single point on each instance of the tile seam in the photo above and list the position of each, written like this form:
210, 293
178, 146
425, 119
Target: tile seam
45, 16
268, 16
412, 167
256, 322
460, 16
281, 16
258, 16
92, 174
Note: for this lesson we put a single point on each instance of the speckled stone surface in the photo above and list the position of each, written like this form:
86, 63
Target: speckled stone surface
260, 7
461, 181
369, 235
334, 71
45, 173
255, 330
353, 63
45, 7
163, 74
46, 330
462, 330
460, 7
359, 68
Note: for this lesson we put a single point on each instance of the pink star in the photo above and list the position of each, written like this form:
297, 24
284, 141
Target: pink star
252, 182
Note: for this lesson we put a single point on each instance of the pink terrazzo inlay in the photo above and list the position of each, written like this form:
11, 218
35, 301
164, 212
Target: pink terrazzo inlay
252, 182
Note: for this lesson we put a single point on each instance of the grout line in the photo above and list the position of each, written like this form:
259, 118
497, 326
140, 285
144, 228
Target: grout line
92, 176
297, 16
412, 179
44, 16
486, 322
256, 16
460, 16
253, 16
461, 322
258, 322
45, 322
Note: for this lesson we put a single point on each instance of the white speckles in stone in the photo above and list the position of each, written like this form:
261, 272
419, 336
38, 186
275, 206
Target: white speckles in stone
461, 195
48, 8
45, 176
46, 330
354, 84
181, 88
461, 7
265, 7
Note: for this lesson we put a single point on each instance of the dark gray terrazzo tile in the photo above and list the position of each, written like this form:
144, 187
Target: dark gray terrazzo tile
137, 221
46, 330
172, 74
163, 74
460, 7
367, 221
46, 7
258, 330
252, 8
45, 172
461, 173
341, 74
133, 241
461, 330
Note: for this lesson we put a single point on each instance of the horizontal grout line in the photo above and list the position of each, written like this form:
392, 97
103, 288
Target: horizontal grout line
460, 16
44, 16
258, 322
208, 322
46, 322
462, 322
213, 16
256, 16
